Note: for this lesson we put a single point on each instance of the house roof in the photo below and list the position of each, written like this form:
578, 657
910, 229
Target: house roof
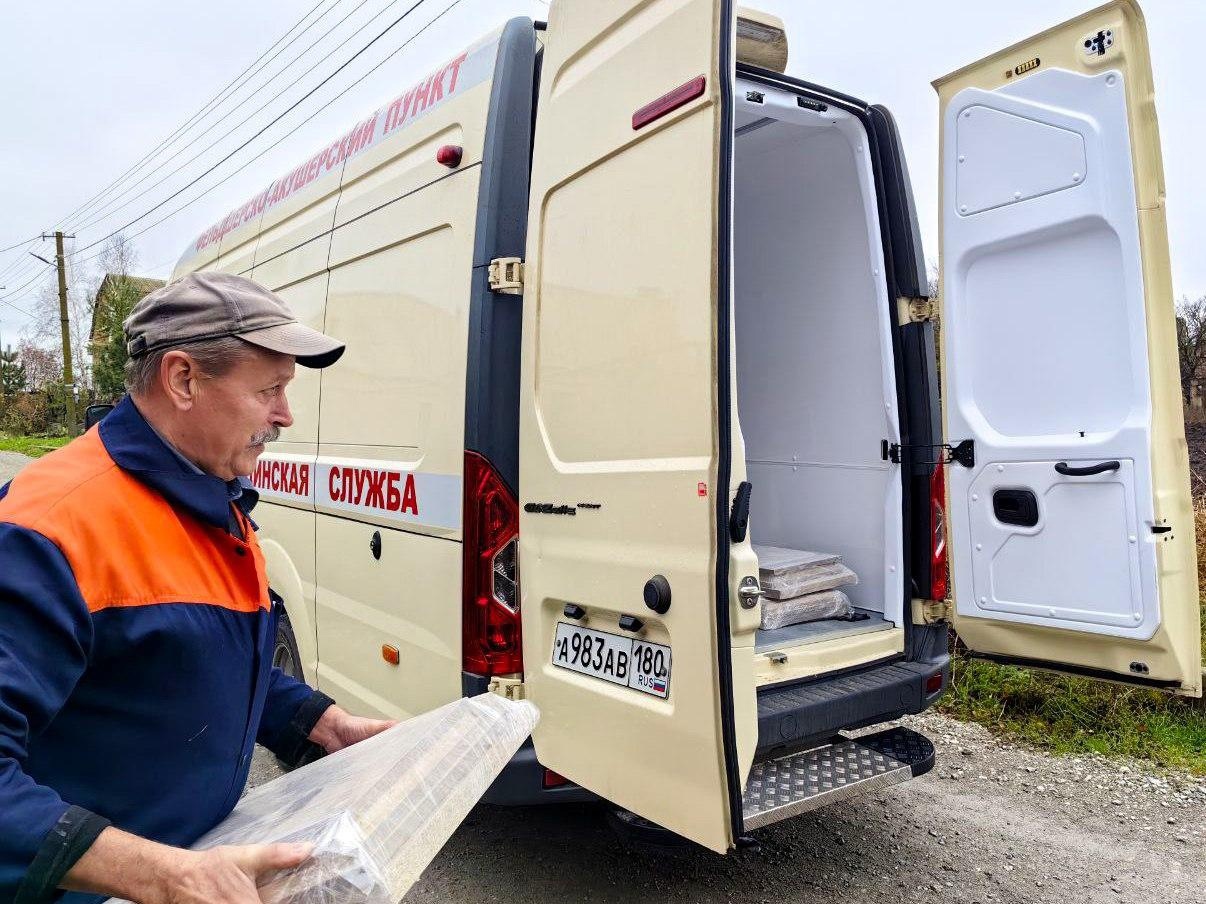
144, 285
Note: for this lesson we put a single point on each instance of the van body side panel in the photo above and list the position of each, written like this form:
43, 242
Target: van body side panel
391, 447
238, 250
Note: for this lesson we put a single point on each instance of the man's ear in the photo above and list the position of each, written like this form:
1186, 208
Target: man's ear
178, 377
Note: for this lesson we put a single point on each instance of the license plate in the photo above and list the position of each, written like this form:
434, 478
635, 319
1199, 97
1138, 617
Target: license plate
627, 661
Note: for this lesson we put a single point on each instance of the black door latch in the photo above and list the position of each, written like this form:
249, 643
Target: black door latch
962, 452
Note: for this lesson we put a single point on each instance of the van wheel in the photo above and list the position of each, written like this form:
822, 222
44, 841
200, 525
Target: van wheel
285, 655
639, 833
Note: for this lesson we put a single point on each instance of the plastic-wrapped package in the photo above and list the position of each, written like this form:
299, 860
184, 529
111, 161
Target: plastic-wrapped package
809, 580
800, 609
774, 561
379, 811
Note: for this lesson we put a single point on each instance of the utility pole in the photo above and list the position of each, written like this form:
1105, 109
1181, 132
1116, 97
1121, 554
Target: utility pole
65, 323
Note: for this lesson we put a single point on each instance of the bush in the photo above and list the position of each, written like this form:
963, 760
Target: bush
26, 414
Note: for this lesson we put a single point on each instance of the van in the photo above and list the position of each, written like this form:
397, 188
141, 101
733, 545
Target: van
624, 304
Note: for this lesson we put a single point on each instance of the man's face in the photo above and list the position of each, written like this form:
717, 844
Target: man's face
237, 413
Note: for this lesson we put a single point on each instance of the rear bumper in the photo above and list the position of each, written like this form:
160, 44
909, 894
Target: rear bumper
800, 713
521, 783
789, 716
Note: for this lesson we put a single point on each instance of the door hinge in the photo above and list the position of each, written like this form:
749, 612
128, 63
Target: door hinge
962, 452
511, 688
917, 310
932, 612
506, 275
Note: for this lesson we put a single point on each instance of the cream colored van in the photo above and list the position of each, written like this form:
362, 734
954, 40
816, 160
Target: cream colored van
623, 300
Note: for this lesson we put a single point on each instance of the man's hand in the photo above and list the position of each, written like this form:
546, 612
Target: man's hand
225, 875
145, 872
337, 729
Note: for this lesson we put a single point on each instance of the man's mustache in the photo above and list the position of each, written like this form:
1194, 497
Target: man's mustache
270, 435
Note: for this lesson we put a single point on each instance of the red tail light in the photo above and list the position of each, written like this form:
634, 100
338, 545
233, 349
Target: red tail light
490, 635
938, 563
553, 779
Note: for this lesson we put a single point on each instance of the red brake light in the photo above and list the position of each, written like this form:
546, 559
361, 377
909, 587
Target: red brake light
490, 629
933, 684
938, 559
449, 155
553, 779
667, 102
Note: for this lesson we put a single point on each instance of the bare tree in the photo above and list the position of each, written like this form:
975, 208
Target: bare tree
931, 272
117, 256
45, 331
121, 294
1191, 341
42, 367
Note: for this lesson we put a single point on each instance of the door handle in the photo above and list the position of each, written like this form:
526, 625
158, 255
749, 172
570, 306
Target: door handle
1088, 471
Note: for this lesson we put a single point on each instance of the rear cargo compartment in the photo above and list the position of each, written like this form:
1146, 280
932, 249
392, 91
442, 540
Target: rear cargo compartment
816, 381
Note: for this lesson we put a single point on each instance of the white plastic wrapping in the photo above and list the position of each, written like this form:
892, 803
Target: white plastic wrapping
809, 580
379, 811
800, 609
778, 560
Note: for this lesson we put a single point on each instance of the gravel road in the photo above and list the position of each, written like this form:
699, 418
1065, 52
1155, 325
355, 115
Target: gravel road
10, 464
994, 821
991, 822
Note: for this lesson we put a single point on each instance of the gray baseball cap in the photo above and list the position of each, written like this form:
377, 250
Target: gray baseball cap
211, 305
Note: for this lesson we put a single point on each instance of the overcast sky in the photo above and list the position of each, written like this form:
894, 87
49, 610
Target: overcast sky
87, 91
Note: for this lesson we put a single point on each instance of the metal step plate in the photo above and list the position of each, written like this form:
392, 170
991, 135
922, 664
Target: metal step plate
794, 784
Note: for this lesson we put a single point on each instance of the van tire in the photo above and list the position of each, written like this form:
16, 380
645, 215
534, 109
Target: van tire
285, 655
639, 833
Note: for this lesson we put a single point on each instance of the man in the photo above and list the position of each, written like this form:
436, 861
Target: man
136, 623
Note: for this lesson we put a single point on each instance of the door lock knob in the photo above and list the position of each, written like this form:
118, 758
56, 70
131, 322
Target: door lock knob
657, 594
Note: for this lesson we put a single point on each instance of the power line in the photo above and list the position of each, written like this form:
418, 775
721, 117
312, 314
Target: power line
17, 291
102, 214
15, 264
231, 175
233, 85
15, 308
20, 243
293, 107
14, 267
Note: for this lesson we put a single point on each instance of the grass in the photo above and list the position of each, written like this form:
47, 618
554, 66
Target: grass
33, 446
1074, 715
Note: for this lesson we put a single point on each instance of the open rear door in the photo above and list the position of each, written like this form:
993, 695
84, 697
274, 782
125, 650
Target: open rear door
1072, 532
624, 430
